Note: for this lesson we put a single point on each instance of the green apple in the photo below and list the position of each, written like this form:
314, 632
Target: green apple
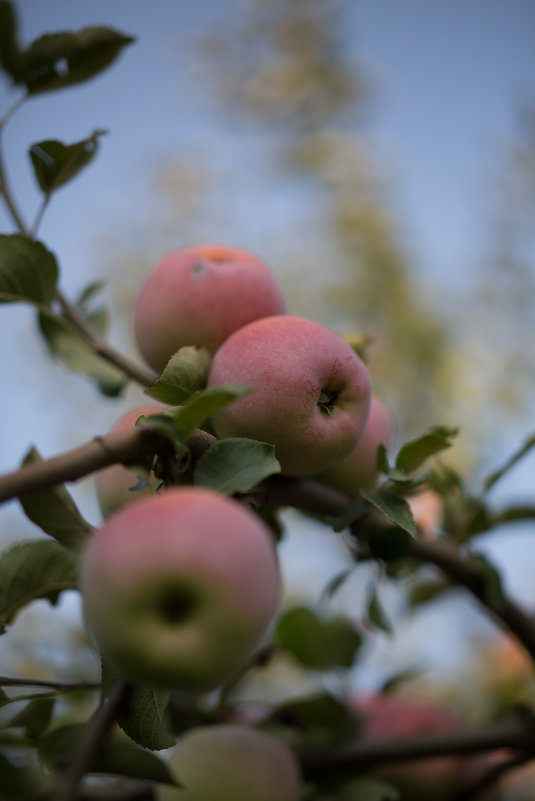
310, 392
179, 588
199, 296
115, 485
359, 470
232, 762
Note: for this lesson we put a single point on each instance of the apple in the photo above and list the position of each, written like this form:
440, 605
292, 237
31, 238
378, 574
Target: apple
115, 484
437, 778
233, 762
179, 588
359, 470
310, 392
427, 509
199, 296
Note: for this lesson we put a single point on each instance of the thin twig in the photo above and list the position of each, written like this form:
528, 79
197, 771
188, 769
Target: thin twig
39, 216
312, 497
491, 776
12, 681
448, 558
100, 346
6, 192
93, 734
516, 733
143, 375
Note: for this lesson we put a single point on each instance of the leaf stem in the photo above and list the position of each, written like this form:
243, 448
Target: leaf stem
100, 346
5, 188
143, 375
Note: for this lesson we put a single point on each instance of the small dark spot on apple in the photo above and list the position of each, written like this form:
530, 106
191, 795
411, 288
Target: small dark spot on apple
176, 604
198, 269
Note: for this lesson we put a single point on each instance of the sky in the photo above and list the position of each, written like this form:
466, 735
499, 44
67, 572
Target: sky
450, 78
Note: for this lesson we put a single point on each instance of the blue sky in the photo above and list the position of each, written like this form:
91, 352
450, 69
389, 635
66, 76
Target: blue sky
451, 77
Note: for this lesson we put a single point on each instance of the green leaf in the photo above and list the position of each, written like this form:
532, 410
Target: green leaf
370, 789
493, 593
197, 409
87, 294
318, 644
35, 716
65, 343
511, 462
235, 465
28, 271
56, 60
116, 755
31, 570
185, 373
376, 614
414, 453
9, 49
21, 779
55, 163
389, 543
55, 512
321, 720
396, 509
426, 591
143, 719
354, 510
334, 584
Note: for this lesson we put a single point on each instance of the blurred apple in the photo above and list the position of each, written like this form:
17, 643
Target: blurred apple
359, 470
310, 392
179, 588
232, 762
199, 296
427, 508
437, 778
117, 485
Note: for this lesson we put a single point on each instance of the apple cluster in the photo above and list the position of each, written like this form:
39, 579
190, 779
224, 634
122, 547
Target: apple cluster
180, 584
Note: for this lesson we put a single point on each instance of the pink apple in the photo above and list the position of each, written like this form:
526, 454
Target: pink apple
427, 509
115, 484
199, 296
232, 762
437, 778
310, 392
179, 588
359, 470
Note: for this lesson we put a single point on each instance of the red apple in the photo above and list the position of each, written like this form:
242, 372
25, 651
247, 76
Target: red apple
115, 484
310, 392
179, 588
231, 762
359, 470
199, 296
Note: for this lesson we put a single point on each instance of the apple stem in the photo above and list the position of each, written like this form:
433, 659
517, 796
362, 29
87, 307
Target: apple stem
326, 402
